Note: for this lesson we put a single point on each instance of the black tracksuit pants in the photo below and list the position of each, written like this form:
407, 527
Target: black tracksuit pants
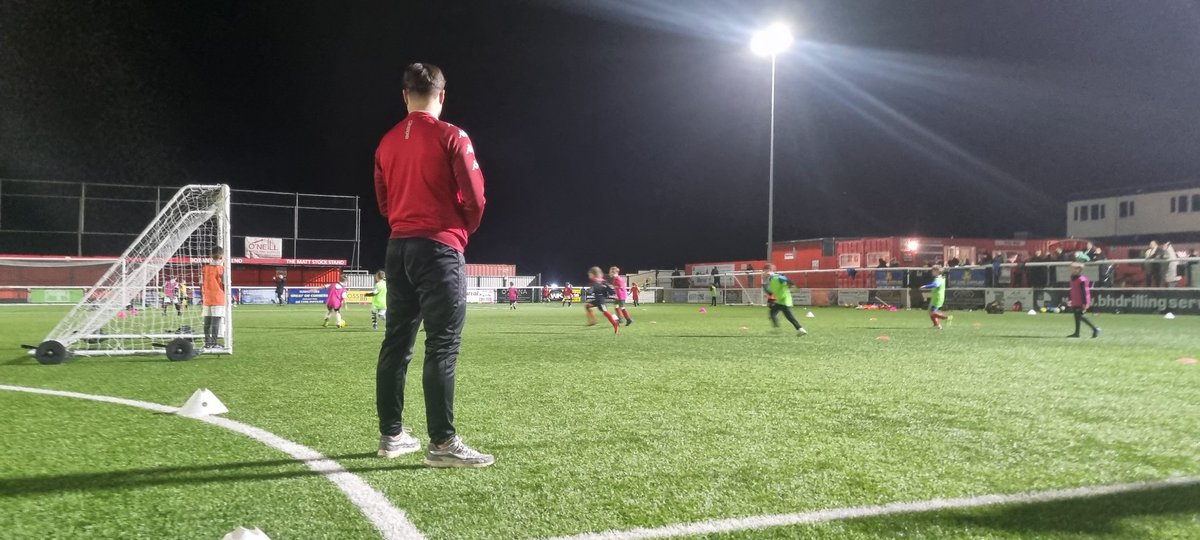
1080, 317
776, 309
426, 281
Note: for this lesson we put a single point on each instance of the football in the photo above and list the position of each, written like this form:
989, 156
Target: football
342, 323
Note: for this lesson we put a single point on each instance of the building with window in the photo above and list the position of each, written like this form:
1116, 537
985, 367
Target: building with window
1170, 212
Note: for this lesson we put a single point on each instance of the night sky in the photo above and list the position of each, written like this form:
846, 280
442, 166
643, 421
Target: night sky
629, 133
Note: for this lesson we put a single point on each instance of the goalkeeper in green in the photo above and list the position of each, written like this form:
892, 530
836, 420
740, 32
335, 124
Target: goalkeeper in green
779, 298
379, 300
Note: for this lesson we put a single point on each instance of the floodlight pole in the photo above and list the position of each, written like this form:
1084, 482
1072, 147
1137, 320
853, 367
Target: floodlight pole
771, 172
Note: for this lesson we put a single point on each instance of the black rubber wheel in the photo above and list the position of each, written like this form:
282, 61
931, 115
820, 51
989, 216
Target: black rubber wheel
51, 352
180, 349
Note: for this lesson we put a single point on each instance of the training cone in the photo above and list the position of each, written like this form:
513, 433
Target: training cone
1032, 312
1169, 316
203, 403
811, 315
242, 533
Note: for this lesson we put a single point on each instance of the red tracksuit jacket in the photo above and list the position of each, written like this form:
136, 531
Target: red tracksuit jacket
428, 182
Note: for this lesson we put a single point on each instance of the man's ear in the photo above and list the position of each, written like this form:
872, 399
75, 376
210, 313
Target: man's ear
442, 97
405, 93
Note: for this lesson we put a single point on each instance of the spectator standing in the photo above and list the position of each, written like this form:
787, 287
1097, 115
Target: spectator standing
280, 288
1171, 268
997, 261
1038, 273
985, 261
1106, 269
430, 189
1152, 266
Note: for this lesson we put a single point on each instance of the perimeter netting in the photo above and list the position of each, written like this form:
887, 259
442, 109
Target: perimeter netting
149, 300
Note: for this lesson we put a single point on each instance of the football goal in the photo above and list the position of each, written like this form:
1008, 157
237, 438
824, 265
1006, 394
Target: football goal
149, 300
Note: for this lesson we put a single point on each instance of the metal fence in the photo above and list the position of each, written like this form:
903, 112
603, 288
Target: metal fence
44, 217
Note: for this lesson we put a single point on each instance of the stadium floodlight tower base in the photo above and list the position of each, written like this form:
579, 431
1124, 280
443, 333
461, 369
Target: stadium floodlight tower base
148, 300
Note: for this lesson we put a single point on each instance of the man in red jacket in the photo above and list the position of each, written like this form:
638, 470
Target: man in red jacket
430, 189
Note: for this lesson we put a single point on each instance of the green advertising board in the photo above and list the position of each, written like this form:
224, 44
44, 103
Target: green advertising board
55, 296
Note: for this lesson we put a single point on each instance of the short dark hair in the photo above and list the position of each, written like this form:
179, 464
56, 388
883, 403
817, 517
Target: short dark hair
218, 251
424, 79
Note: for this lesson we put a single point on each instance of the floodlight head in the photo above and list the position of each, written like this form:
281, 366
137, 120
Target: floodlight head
771, 40
913, 245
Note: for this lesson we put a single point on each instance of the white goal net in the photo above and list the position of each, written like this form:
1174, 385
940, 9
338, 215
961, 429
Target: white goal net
149, 300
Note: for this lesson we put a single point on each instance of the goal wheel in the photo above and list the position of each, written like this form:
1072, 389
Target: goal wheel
51, 352
180, 349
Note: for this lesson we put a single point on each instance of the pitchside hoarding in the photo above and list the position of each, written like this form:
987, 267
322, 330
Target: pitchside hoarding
967, 277
481, 296
55, 296
523, 295
1008, 297
965, 299
307, 295
1177, 301
254, 296
853, 297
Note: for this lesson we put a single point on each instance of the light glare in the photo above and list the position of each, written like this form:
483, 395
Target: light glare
772, 40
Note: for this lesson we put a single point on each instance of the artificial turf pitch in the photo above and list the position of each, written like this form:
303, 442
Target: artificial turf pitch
684, 416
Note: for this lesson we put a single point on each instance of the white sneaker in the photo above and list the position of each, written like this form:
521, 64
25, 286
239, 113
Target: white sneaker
456, 454
398, 445
800, 332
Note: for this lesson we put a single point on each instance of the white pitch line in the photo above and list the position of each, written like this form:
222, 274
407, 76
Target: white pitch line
835, 514
389, 520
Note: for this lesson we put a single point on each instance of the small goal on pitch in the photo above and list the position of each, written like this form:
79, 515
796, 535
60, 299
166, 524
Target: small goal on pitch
148, 302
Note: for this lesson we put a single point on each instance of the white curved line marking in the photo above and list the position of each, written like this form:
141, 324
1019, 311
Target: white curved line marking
389, 520
835, 514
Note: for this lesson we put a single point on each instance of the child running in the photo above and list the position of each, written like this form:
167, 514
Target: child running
333, 303
212, 296
779, 298
1080, 295
379, 300
171, 296
618, 283
601, 290
512, 297
937, 296
568, 295
633, 291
